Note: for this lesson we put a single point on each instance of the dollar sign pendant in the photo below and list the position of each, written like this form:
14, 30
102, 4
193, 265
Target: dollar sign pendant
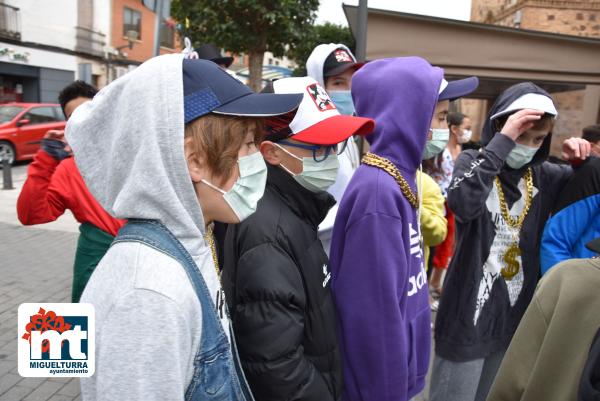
511, 267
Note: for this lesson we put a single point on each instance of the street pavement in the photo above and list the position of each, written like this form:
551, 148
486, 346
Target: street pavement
35, 266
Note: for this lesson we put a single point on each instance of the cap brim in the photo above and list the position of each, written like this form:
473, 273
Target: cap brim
335, 129
343, 68
594, 245
261, 105
459, 88
535, 101
226, 61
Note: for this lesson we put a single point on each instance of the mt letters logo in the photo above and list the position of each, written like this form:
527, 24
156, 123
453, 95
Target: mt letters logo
56, 340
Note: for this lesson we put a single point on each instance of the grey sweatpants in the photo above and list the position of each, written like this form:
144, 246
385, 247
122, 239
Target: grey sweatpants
463, 381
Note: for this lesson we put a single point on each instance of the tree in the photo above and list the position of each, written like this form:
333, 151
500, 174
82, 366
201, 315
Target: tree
247, 26
318, 34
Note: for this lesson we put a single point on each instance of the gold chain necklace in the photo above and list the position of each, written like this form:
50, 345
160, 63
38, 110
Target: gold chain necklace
512, 266
209, 237
372, 159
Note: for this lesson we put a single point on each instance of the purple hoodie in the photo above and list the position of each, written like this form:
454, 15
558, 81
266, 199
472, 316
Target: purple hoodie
378, 280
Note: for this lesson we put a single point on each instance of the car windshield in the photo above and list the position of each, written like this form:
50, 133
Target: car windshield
7, 113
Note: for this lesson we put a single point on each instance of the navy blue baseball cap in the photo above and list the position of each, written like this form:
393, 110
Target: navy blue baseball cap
207, 88
456, 89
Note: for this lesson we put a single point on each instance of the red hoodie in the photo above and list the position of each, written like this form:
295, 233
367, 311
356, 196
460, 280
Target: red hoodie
52, 187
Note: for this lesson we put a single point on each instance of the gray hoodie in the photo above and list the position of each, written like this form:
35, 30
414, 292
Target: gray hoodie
128, 145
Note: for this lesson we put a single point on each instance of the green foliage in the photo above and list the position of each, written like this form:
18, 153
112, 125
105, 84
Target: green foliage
316, 35
244, 26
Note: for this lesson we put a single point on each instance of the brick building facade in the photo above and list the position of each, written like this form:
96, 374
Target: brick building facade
131, 17
577, 18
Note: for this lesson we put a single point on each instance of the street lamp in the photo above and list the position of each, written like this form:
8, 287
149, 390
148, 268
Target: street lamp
131, 37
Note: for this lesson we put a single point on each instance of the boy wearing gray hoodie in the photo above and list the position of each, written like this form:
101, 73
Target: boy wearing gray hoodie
174, 151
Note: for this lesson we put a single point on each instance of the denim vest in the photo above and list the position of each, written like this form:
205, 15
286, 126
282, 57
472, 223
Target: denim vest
217, 370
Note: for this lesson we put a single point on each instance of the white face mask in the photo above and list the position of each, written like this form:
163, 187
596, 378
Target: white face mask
315, 176
437, 143
249, 188
520, 156
465, 137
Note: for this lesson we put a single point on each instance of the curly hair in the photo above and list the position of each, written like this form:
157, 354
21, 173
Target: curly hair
75, 90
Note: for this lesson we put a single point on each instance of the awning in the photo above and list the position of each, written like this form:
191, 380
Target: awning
269, 73
488, 51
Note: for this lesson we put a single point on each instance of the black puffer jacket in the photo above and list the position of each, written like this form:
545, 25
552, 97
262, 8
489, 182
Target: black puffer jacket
276, 280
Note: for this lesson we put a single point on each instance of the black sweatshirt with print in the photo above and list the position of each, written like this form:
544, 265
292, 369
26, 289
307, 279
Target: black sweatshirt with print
480, 309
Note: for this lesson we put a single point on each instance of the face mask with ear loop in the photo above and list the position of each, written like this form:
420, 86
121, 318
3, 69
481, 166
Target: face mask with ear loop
465, 137
520, 156
248, 189
315, 176
437, 143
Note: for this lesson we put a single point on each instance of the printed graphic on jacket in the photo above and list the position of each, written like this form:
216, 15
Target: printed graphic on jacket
505, 236
416, 282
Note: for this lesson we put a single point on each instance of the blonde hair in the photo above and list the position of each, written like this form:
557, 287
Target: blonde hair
218, 139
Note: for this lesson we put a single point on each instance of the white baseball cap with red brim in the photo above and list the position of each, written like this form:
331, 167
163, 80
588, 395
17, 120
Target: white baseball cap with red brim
317, 121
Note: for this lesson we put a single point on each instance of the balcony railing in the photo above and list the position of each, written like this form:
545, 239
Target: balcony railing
10, 22
89, 41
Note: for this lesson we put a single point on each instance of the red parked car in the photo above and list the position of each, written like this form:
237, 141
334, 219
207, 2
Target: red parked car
23, 125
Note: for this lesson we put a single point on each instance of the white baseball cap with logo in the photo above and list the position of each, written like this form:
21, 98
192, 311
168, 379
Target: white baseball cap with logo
317, 121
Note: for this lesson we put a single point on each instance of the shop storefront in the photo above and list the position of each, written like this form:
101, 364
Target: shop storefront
33, 75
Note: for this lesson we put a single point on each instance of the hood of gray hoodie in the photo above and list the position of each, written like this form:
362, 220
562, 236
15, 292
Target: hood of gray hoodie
128, 145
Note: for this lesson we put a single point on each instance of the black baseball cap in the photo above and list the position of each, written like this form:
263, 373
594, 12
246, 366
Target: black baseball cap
452, 90
207, 88
594, 245
212, 53
339, 61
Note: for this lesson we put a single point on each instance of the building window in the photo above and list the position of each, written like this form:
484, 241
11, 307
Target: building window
132, 21
579, 16
167, 34
550, 17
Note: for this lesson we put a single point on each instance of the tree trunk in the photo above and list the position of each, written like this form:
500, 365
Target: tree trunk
255, 61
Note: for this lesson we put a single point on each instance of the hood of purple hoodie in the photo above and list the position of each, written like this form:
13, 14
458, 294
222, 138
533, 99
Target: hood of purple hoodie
400, 94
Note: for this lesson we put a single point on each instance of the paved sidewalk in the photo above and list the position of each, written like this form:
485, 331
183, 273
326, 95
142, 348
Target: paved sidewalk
35, 266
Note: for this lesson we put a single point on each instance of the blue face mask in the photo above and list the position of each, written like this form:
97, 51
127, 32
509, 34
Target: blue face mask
343, 101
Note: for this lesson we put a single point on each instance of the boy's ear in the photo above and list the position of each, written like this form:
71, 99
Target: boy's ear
454, 129
271, 153
195, 166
